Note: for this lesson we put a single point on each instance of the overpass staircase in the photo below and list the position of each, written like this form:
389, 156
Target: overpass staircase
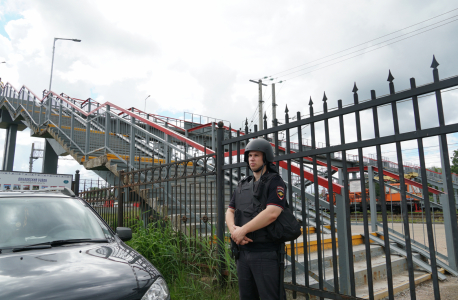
108, 139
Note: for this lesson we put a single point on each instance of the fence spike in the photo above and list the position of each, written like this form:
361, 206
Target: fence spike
324, 97
286, 109
265, 116
434, 64
390, 77
310, 102
355, 88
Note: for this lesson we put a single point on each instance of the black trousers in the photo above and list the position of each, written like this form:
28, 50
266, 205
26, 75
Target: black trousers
259, 276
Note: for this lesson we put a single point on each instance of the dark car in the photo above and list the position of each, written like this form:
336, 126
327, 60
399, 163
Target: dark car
53, 245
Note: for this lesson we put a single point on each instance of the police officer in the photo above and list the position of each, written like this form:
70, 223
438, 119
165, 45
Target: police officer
258, 263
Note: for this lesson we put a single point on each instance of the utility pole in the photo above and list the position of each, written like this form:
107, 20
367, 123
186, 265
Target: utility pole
34, 155
259, 82
274, 106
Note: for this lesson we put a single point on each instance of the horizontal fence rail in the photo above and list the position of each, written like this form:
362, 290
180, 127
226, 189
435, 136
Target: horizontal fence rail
326, 260
185, 171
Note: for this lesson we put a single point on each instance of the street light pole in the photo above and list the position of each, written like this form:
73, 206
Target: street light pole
52, 63
145, 103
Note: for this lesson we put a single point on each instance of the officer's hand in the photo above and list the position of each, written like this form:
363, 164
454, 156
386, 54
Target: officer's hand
238, 234
246, 241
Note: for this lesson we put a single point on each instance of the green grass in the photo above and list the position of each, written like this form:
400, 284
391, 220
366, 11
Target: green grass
189, 266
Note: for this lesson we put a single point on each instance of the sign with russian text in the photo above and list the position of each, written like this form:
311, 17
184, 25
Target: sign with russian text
24, 181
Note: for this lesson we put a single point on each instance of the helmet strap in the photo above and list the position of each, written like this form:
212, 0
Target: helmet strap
260, 168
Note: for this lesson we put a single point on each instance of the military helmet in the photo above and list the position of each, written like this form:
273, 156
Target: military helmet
262, 145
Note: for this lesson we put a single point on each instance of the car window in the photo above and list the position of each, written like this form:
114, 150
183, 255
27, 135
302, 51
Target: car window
32, 220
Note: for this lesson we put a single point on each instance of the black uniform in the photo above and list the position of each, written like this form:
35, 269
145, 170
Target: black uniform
258, 264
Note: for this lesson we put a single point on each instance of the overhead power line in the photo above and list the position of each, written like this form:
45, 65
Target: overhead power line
367, 51
377, 44
327, 56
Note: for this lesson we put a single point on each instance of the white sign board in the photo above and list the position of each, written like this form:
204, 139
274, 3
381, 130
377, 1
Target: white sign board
355, 186
24, 181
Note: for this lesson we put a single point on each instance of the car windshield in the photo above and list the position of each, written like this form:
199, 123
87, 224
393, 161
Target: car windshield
33, 220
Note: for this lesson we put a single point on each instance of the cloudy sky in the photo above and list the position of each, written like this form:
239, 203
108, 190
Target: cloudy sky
198, 57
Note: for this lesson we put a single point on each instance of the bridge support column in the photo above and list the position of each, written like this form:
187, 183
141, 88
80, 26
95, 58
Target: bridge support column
50, 159
448, 206
372, 199
342, 240
10, 147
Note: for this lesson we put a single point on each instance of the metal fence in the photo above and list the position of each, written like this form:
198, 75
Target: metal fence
334, 258
181, 192
327, 261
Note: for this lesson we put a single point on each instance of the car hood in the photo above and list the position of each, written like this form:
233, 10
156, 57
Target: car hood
77, 271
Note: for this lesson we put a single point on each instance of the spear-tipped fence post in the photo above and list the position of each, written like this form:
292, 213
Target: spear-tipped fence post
447, 199
120, 200
265, 125
390, 79
220, 195
132, 141
76, 186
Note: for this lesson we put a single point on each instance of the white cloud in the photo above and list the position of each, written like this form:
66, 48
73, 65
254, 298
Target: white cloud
199, 56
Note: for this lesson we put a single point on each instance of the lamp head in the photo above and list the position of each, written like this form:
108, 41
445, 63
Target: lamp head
75, 40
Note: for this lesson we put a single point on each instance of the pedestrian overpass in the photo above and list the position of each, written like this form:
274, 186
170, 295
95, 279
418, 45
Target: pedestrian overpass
111, 140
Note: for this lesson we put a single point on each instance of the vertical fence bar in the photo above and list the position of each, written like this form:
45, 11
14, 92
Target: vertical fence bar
220, 194
363, 199
246, 143
290, 197
404, 209
429, 227
303, 201
132, 142
331, 199
77, 183
318, 228
382, 201
448, 200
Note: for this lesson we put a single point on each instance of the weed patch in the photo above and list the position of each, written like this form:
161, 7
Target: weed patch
189, 265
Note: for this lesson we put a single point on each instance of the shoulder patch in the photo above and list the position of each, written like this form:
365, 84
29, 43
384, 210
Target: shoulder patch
280, 192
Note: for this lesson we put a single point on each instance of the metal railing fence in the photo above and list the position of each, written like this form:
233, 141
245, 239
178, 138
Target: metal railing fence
323, 267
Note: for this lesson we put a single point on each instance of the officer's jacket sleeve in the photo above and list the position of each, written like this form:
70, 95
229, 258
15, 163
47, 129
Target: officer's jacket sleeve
232, 202
276, 193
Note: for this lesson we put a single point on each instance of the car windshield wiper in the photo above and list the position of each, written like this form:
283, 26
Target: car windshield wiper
47, 245
74, 241
32, 247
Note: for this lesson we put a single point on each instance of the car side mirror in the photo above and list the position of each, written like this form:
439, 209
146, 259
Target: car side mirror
124, 233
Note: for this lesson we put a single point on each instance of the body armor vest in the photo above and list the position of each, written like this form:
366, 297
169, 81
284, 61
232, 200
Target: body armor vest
250, 200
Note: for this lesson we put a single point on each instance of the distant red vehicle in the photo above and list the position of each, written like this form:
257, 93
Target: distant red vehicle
392, 198
108, 203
